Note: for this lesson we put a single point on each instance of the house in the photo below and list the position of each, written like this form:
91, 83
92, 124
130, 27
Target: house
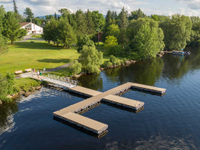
31, 28
99, 36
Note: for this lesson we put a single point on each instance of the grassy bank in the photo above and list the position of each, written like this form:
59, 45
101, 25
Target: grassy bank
25, 84
38, 55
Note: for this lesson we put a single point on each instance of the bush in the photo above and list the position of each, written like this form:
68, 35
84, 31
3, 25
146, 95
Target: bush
10, 82
124, 60
114, 60
107, 64
75, 67
84, 40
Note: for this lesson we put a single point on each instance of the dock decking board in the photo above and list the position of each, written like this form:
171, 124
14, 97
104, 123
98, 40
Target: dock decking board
125, 102
89, 124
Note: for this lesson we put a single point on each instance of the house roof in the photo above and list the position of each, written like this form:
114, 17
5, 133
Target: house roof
24, 23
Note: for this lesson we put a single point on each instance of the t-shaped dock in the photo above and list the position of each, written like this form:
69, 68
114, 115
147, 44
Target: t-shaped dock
71, 113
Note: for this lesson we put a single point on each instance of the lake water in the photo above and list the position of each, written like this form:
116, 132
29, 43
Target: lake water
168, 122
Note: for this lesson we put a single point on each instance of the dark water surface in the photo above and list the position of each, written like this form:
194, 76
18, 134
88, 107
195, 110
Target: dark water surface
168, 122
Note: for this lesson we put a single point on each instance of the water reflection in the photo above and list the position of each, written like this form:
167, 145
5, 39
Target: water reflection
177, 67
7, 112
94, 82
147, 72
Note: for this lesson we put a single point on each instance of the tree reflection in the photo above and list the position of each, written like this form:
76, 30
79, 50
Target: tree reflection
6, 116
176, 67
144, 72
94, 82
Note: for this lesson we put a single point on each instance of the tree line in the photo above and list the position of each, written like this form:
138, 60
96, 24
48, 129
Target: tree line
135, 34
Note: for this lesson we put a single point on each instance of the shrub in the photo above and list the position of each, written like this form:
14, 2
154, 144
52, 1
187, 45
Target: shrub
114, 60
75, 67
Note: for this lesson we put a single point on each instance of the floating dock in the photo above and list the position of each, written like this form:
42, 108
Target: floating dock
71, 113
98, 97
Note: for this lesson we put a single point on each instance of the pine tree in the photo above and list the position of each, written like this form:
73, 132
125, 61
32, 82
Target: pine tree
81, 22
28, 14
90, 23
55, 16
123, 23
2, 13
109, 21
15, 7
11, 27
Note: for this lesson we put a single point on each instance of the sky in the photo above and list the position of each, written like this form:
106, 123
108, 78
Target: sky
161, 7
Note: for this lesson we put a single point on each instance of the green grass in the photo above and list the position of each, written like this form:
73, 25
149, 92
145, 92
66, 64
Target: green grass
38, 55
37, 36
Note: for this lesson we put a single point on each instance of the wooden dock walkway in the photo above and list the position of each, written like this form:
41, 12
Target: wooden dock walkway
70, 113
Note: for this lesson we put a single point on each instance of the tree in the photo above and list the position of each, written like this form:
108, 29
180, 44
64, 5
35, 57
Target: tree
28, 14
137, 14
11, 27
75, 67
113, 30
66, 34
91, 59
195, 19
90, 23
109, 21
84, 40
150, 27
111, 46
81, 23
64, 10
15, 7
123, 23
177, 32
147, 41
22, 33
2, 14
99, 20
3, 44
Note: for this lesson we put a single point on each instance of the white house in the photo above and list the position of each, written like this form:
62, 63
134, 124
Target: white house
31, 28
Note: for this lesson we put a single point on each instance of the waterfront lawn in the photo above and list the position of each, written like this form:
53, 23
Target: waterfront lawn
25, 84
38, 55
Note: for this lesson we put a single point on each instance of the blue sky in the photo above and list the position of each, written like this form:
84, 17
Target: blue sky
162, 7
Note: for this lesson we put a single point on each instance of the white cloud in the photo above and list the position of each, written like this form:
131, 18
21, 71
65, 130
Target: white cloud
47, 7
5, 1
193, 4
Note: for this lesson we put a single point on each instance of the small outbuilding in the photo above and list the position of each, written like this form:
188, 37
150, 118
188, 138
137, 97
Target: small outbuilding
31, 28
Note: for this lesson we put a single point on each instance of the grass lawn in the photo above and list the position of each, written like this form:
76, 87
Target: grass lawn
37, 36
38, 55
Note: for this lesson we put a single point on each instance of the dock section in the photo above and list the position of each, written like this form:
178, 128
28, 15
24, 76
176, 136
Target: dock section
147, 88
124, 102
84, 122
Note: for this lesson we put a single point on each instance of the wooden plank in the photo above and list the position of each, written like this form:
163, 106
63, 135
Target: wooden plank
89, 124
87, 91
125, 102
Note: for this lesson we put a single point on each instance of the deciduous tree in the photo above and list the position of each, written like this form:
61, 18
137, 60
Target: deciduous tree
91, 59
177, 32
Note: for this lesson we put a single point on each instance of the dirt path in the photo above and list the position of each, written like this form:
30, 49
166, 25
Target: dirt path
57, 68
